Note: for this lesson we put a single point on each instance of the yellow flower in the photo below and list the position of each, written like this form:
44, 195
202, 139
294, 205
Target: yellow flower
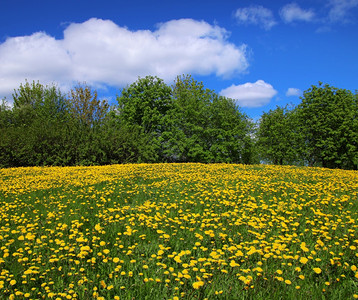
288, 281
317, 270
13, 282
233, 264
98, 227
198, 284
303, 260
303, 247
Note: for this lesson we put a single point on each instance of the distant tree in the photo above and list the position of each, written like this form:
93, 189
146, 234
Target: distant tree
185, 138
5, 113
88, 115
35, 135
124, 143
228, 132
143, 108
204, 127
86, 107
5, 141
328, 120
276, 136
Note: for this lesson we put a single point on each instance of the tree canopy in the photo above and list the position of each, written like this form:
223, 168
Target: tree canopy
327, 117
184, 122
321, 131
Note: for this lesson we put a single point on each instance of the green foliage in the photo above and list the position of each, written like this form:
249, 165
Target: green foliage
188, 121
85, 106
88, 114
276, 136
204, 127
143, 108
327, 118
33, 133
185, 122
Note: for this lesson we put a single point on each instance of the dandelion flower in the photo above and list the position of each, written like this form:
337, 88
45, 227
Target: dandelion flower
303, 260
198, 284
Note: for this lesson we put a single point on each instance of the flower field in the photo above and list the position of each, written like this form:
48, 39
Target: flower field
178, 231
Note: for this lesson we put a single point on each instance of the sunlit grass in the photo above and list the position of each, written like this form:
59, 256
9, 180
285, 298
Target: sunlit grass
178, 231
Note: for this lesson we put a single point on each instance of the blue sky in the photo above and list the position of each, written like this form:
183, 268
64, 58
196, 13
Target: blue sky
260, 53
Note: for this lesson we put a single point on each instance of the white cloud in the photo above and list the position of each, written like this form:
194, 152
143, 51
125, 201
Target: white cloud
256, 15
250, 94
103, 53
339, 10
293, 92
292, 12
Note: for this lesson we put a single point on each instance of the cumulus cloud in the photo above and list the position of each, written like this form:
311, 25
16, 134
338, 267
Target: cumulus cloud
102, 53
293, 92
339, 10
256, 15
292, 12
250, 94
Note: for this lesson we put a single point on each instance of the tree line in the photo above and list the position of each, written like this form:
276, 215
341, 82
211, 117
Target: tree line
185, 122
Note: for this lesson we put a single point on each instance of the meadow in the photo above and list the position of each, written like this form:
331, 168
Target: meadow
178, 231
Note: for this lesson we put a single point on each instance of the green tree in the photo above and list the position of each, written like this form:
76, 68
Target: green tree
124, 143
185, 139
204, 127
228, 132
36, 135
5, 125
276, 137
143, 108
5, 113
328, 122
85, 106
85, 134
